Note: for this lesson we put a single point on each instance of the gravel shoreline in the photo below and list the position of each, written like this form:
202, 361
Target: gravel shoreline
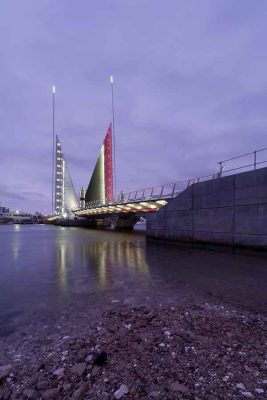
196, 352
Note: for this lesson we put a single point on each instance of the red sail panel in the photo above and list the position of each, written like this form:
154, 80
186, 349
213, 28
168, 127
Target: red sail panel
108, 165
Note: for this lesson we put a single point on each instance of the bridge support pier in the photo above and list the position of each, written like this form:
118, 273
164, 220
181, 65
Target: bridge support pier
125, 222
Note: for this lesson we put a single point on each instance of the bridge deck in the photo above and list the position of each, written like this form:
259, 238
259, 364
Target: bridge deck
139, 201
138, 206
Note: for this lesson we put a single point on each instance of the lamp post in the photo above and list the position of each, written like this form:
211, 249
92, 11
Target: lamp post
113, 134
53, 162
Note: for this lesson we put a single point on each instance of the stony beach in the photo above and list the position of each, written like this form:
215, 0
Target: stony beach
208, 351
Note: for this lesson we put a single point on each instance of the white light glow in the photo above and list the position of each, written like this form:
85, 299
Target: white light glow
54, 89
162, 202
111, 79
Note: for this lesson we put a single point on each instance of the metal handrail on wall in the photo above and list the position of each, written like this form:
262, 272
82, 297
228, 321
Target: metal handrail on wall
171, 190
253, 164
161, 192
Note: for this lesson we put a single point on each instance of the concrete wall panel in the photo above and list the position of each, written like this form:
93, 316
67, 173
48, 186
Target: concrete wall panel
156, 220
213, 220
251, 187
179, 221
179, 236
251, 219
214, 193
182, 202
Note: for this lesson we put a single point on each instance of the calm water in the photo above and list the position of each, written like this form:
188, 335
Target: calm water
44, 270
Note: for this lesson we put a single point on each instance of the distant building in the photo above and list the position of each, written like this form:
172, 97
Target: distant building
15, 217
39, 218
3, 210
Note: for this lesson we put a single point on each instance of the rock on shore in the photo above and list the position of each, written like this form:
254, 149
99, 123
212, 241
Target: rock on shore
198, 352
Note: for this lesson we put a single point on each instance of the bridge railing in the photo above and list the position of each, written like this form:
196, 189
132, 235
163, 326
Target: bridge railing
244, 162
161, 192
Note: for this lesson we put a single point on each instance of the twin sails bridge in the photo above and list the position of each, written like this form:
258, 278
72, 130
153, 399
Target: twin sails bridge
98, 203
228, 208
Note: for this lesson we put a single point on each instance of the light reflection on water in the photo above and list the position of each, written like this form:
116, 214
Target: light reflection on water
41, 266
104, 258
17, 242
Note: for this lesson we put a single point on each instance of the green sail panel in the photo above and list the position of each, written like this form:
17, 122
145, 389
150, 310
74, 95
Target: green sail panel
96, 187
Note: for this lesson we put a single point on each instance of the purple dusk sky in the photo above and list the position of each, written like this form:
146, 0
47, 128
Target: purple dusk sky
190, 89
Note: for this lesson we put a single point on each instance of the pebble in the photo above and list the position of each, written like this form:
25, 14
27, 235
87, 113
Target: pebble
5, 371
67, 387
41, 385
78, 369
95, 370
66, 337
81, 355
115, 301
65, 353
260, 391
59, 372
248, 395
240, 386
30, 394
121, 392
78, 394
49, 394
167, 333
89, 358
154, 394
178, 387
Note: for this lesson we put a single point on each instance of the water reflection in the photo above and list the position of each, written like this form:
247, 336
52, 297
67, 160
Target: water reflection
100, 260
50, 266
61, 262
17, 241
108, 256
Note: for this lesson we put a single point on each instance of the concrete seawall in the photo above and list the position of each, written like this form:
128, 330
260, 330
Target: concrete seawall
230, 211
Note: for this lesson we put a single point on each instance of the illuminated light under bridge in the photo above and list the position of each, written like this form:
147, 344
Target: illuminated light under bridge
137, 202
